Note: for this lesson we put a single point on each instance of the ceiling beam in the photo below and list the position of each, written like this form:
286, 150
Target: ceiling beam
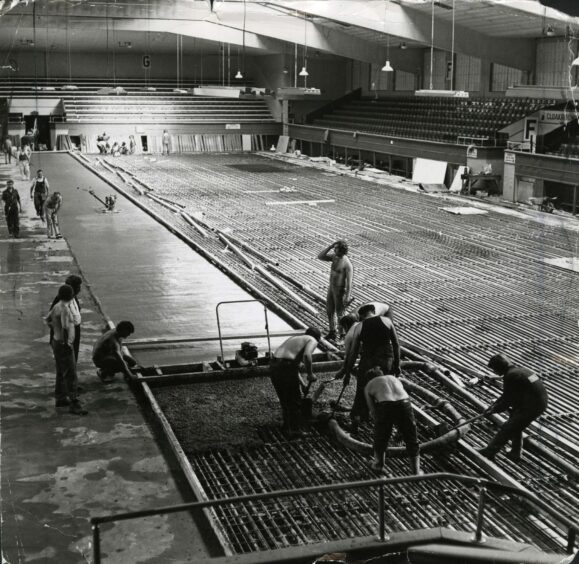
407, 24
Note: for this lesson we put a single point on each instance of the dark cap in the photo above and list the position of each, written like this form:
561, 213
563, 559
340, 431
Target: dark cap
499, 363
74, 281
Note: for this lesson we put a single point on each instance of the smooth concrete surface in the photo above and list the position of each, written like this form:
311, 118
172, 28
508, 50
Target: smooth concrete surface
57, 469
143, 273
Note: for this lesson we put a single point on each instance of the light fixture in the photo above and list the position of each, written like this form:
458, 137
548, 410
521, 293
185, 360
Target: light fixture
387, 67
304, 72
550, 31
403, 46
239, 75
285, 70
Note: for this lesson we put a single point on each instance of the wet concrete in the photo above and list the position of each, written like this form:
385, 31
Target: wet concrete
57, 469
142, 272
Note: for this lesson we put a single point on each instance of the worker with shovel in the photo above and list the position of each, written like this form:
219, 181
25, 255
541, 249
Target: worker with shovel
285, 376
525, 395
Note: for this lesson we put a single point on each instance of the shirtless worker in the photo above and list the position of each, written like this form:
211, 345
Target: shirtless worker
390, 406
340, 287
378, 340
285, 376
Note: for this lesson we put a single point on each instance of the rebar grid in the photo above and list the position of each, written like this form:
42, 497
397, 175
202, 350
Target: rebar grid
462, 287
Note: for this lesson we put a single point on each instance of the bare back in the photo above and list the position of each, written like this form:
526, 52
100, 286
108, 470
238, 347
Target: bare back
295, 347
386, 388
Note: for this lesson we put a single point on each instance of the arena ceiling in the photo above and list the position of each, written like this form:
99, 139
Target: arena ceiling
504, 30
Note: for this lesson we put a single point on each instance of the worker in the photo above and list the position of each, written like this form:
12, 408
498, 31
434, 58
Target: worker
12, 208
108, 356
525, 395
340, 287
285, 376
390, 406
39, 193
62, 331
351, 327
50, 211
378, 340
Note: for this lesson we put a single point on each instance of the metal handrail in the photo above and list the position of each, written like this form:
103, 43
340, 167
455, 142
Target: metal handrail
241, 302
482, 483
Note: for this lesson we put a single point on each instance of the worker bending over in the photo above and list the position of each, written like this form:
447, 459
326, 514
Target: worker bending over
285, 376
525, 395
108, 355
377, 339
390, 406
340, 287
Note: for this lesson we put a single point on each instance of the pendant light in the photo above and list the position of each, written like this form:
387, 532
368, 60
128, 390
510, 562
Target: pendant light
304, 72
387, 66
239, 74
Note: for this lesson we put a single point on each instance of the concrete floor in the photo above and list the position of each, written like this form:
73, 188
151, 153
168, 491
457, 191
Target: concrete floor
59, 470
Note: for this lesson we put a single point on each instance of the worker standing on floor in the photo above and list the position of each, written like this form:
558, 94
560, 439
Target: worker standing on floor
390, 407
525, 396
350, 326
39, 193
378, 342
285, 376
340, 288
12, 208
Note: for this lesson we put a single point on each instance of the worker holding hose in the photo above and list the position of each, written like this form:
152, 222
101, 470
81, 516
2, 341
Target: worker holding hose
378, 342
285, 376
526, 397
390, 406
340, 288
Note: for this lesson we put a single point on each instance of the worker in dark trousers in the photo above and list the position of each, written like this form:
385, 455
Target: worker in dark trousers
285, 376
39, 193
75, 282
390, 406
378, 341
12, 208
526, 397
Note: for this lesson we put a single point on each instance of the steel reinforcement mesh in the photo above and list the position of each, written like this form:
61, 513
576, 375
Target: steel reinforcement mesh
464, 287
269, 462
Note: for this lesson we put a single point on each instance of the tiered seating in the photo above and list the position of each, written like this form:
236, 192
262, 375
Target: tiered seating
158, 108
447, 120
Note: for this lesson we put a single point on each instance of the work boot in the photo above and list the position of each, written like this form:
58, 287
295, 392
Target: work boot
77, 409
378, 462
415, 465
487, 453
514, 456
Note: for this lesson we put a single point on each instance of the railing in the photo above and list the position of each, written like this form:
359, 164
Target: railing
380, 483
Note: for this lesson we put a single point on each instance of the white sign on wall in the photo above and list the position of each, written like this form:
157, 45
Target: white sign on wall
232, 126
510, 158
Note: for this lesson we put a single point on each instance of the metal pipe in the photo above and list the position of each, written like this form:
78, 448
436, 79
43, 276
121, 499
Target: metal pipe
96, 543
478, 535
381, 530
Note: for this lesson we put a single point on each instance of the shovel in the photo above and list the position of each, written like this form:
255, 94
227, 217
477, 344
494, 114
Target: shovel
338, 402
443, 429
307, 403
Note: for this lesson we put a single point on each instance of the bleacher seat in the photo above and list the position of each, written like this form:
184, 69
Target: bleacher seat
446, 120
